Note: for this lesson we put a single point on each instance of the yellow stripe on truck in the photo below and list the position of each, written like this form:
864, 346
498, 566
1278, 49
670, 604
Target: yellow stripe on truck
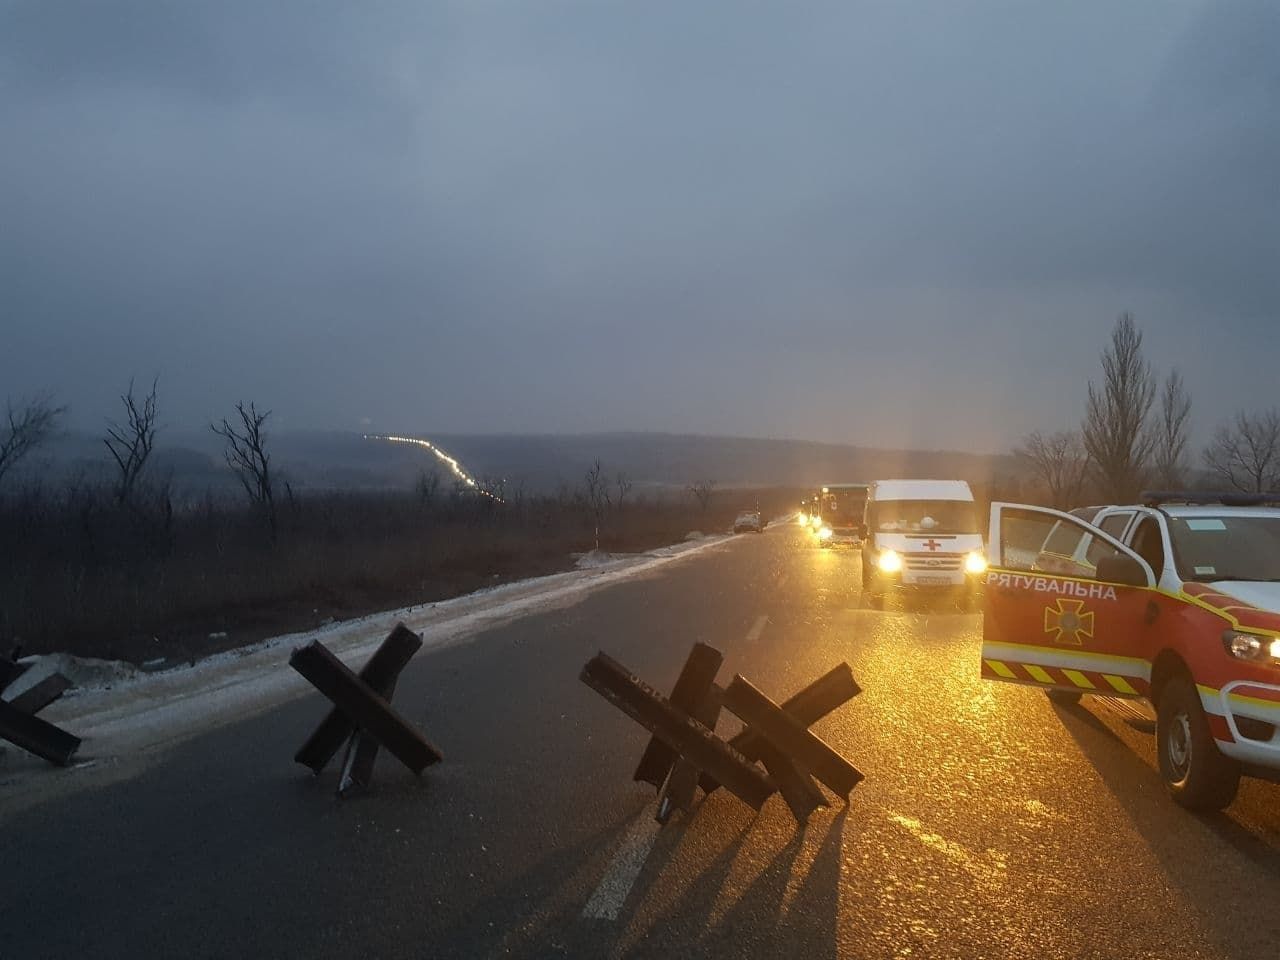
1079, 679
1037, 673
1119, 684
999, 668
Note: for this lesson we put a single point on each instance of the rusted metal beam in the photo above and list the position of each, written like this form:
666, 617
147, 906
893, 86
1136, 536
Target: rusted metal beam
381, 669
675, 728
36, 736
677, 793
363, 707
38, 696
362, 750
11, 670
692, 686
831, 690
797, 788
803, 749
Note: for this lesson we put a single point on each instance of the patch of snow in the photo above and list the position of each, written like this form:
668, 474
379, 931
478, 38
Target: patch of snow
85, 673
594, 559
694, 535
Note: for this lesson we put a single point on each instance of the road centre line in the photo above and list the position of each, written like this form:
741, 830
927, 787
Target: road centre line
606, 903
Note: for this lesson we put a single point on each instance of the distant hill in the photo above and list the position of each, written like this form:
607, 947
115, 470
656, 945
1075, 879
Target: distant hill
678, 459
541, 463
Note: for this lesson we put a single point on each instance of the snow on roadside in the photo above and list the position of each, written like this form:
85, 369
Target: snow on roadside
146, 711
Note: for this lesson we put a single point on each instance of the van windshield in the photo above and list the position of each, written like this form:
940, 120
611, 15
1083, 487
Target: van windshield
925, 516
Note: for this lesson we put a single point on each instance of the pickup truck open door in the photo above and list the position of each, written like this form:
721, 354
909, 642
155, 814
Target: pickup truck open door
1079, 627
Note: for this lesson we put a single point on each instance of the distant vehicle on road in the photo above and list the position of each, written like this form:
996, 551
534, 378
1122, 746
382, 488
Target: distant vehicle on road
922, 534
748, 520
843, 514
1175, 600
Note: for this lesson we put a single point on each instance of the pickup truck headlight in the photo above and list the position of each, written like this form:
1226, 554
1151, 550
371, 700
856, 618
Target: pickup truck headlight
1251, 646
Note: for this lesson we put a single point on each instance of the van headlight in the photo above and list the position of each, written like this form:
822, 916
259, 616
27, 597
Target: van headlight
825, 533
975, 563
889, 561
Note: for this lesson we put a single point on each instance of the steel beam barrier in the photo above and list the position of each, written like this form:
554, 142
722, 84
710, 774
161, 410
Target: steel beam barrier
363, 707
687, 737
692, 686
382, 668
36, 736
808, 706
802, 748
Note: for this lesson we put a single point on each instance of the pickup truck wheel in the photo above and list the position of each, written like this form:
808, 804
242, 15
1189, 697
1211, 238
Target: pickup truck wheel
1064, 697
1198, 776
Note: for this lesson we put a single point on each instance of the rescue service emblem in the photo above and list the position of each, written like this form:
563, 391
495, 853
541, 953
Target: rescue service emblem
1068, 621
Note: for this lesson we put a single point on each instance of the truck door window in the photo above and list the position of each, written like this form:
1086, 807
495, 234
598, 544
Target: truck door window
1041, 543
1149, 544
1115, 524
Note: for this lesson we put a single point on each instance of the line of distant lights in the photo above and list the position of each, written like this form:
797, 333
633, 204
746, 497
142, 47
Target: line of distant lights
451, 462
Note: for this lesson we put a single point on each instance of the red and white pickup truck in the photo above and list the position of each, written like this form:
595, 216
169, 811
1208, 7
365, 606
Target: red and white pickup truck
1175, 600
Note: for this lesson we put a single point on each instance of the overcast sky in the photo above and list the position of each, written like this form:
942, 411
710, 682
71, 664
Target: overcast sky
903, 224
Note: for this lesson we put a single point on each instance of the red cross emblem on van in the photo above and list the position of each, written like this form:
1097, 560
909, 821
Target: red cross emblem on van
932, 545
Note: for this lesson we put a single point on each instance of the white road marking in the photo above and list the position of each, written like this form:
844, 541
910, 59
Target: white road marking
606, 903
757, 628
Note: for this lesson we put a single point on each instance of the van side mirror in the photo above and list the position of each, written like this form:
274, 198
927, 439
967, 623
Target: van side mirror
1122, 569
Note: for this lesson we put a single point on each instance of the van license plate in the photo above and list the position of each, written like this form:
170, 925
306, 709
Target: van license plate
927, 580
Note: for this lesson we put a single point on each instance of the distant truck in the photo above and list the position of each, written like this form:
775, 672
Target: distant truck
842, 514
922, 533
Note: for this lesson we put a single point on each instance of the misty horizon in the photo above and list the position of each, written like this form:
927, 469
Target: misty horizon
897, 227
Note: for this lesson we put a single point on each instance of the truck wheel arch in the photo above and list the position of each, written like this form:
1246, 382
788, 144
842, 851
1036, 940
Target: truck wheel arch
1167, 665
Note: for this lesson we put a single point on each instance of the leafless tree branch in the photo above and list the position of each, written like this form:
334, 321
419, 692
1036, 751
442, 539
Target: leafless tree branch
1246, 452
702, 491
1061, 463
26, 427
131, 443
1115, 430
246, 455
1170, 443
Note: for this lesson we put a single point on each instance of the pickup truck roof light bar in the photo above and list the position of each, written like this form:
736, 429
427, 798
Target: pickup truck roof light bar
1157, 498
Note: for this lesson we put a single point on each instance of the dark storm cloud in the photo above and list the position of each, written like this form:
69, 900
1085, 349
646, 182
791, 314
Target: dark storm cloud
918, 219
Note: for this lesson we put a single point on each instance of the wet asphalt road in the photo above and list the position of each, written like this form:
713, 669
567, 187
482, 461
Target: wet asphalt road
991, 823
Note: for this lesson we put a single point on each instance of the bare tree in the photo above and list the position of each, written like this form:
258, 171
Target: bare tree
1115, 430
622, 483
1170, 441
427, 487
27, 426
1246, 452
246, 455
702, 490
131, 443
1061, 463
598, 499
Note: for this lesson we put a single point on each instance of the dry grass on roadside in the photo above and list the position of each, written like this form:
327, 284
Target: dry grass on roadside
82, 574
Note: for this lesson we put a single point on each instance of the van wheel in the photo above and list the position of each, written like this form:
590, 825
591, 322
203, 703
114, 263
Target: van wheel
1198, 776
1065, 697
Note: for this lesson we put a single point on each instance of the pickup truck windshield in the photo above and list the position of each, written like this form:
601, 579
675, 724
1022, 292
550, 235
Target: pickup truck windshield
1226, 548
925, 516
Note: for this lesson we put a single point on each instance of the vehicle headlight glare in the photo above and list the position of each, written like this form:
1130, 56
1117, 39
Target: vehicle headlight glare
824, 533
1275, 649
1247, 646
889, 561
975, 563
